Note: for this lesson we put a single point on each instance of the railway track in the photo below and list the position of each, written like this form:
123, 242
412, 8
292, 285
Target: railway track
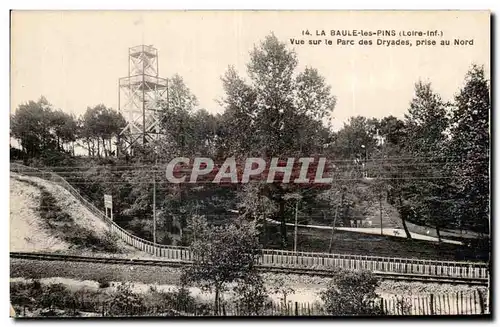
263, 268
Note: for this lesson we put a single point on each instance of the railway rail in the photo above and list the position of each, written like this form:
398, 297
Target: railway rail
264, 268
288, 260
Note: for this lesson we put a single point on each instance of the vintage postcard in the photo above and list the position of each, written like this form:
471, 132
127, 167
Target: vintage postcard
250, 164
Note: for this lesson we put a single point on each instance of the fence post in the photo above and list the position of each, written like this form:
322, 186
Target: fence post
462, 303
481, 301
296, 308
432, 304
475, 302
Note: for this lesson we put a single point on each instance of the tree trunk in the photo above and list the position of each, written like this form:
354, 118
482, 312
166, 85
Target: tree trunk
283, 232
104, 148
98, 148
88, 147
381, 225
403, 219
333, 230
264, 228
438, 234
216, 304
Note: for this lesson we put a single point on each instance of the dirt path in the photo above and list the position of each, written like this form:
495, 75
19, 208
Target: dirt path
398, 232
27, 232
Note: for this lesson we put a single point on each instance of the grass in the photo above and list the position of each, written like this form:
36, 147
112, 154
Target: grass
94, 271
65, 228
344, 242
40, 299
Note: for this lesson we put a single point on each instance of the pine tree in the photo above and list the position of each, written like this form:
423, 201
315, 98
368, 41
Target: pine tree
471, 148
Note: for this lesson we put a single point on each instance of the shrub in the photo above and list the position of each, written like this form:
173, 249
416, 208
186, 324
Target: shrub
351, 293
252, 295
84, 238
125, 302
25, 293
55, 296
103, 283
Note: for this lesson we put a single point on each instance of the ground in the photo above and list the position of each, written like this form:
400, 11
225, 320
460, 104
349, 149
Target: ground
306, 288
29, 233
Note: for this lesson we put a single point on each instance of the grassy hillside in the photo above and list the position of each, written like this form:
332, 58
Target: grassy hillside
345, 242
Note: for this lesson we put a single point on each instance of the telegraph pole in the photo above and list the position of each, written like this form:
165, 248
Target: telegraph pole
296, 226
154, 202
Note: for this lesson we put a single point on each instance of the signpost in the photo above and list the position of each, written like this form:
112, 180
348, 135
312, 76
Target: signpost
108, 204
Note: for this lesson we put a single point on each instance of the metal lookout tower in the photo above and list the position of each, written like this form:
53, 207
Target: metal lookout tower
139, 96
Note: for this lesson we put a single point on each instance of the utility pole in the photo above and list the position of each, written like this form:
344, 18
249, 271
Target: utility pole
381, 225
333, 230
154, 202
380, 182
296, 225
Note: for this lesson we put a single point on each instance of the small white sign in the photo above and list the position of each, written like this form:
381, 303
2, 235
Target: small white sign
108, 201
108, 206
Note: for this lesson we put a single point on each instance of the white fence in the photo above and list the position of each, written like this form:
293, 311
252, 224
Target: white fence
280, 258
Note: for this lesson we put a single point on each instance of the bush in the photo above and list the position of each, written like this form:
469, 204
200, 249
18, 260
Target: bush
125, 302
166, 240
252, 296
179, 300
24, 294
56, 296
351, 293
103, 283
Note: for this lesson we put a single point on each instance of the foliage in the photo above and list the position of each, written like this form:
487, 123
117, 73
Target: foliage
351, 293
67, 229
432, 166
279, 285
470, 146
97, 127
124, 301
252, 295
39, 128
419, 187
356, 139
221, 255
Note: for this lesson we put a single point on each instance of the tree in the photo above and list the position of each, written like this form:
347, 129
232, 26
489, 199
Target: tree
221, 255
42, 131
392, 129
98, 126
31, 126
351, 292
277, 113
176, 121
419, 182
251, 295
256, 206
64, 127
470, 149
356, 141
279, 285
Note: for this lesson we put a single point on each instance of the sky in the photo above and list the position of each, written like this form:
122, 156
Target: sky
75, 59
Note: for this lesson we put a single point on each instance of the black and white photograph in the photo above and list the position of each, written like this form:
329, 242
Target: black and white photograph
248, 164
